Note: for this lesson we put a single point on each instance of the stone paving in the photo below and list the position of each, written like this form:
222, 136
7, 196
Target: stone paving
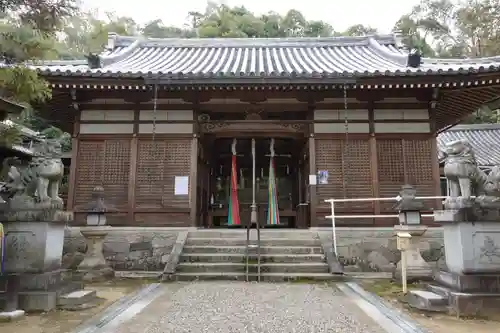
225, 307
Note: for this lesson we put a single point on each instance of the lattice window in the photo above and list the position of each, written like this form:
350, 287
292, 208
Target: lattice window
158, 164
390, 161
329, 157
402, 161
391, 170
358, 179
103, 163
418, 159
348, 169
90, 156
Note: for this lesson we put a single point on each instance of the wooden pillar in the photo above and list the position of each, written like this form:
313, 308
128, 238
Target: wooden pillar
434, 156
132, 179
312, 188
74, 162
372, 142
193, 182
134, 147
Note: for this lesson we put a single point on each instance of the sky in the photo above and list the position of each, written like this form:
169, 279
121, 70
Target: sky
379, 14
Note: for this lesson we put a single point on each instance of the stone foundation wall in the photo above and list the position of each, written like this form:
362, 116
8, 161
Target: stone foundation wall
127, 248
374, 249
149, 249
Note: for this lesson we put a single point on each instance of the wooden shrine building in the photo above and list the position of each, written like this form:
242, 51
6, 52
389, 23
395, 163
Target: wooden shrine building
149, 116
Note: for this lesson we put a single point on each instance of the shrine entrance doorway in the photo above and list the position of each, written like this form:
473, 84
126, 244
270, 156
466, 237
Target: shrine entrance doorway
277, 188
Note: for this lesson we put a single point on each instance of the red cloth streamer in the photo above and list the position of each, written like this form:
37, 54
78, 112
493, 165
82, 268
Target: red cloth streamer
234, 204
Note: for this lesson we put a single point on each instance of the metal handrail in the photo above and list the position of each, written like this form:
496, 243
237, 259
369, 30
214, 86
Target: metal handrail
332, 216
247, 251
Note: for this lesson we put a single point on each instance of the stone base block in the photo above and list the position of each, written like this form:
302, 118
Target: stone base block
477, 283
474, 304
427, 301
98, 274
11, 315
36, 301
77, 297
465, 295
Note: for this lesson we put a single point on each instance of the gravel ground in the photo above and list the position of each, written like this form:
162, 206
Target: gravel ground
224, 307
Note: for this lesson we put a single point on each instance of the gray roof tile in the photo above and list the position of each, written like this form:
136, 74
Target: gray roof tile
260, 57
484, 138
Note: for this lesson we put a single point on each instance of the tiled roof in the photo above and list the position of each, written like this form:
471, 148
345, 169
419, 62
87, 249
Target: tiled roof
484, 138
335, 57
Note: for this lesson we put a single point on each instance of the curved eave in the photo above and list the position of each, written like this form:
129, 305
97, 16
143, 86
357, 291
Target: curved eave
260, 77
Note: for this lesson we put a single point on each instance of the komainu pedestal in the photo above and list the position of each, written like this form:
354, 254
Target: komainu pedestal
35, 220
471, 231
94, 266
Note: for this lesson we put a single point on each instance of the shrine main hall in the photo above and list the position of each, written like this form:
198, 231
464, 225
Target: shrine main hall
194, 132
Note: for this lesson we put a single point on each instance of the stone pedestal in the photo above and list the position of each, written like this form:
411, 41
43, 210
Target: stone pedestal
471, 286
33, 256
472, 248
94, 266
33, 247
417, 267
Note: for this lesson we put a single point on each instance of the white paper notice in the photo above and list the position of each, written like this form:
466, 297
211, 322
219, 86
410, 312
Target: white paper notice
181, 185
312, 180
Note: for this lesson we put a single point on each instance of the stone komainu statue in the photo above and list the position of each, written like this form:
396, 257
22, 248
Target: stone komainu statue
464, 176
41, 178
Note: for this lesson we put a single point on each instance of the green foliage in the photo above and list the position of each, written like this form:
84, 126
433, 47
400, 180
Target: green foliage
56, 133
10, 135
28, 33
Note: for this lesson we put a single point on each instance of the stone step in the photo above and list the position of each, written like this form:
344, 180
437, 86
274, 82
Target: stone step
253, 234
265, 267
239, 257
77, 297
266, 277
437, 289
264, 249
242, 242
427, 301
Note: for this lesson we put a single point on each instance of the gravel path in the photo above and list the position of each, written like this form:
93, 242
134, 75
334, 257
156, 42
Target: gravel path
224, 307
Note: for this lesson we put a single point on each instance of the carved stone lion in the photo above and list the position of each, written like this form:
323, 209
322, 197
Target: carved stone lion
463, 174
491, 196
40, 179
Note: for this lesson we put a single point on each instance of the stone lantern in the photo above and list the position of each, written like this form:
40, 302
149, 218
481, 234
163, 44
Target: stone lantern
94, 266
410, 218
408, 207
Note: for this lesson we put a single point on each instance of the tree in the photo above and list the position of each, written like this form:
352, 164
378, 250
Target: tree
28, 32
157, 29
359, 30
447, 29
85, 33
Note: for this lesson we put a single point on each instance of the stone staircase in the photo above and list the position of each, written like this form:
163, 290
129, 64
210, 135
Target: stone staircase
285, 255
